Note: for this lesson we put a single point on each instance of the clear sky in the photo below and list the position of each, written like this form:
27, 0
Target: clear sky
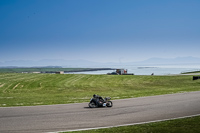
99, 30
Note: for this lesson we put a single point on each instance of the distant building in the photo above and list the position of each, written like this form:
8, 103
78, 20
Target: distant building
121, 71
60, 72
36, 72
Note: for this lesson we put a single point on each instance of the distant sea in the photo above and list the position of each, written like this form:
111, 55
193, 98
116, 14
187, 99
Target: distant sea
167, 69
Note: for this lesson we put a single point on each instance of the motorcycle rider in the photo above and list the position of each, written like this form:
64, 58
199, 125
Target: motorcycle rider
99, 99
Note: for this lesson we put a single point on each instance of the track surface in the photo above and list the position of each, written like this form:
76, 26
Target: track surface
65, 117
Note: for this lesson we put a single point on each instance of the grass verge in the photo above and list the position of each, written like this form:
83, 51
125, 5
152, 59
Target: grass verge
20, 89
185, 125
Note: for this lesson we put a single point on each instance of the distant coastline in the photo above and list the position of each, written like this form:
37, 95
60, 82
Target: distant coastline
89, 69
48, 69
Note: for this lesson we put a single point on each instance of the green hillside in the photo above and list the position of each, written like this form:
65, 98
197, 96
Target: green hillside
20, 89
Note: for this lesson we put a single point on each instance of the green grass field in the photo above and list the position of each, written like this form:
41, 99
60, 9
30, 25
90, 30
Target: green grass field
186, 125
18, 89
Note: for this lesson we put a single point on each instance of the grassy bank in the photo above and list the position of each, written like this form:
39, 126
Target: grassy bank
18, 89
186, 125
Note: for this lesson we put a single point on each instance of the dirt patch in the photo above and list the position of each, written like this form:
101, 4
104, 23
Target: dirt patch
2, 85
15, 86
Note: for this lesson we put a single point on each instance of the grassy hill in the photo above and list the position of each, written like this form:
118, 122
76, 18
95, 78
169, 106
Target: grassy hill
25, 89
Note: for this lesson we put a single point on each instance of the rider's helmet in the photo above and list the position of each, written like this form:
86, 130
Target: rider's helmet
94, 95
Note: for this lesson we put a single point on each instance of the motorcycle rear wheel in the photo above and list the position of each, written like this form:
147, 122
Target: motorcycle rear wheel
109, 104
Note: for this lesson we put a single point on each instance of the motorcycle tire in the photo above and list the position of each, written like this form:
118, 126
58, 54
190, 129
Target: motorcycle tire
92, 105
109, 104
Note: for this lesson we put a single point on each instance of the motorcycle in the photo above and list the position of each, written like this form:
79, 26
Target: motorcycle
96, 102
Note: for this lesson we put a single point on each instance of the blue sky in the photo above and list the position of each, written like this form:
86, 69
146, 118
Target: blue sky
99, 30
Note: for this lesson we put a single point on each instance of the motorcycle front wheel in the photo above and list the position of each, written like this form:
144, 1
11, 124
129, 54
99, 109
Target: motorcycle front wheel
109, 104
92, 105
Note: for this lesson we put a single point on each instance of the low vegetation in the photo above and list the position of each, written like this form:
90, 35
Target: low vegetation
27, 89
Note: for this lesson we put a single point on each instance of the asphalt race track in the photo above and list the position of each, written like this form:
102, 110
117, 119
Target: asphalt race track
53, 118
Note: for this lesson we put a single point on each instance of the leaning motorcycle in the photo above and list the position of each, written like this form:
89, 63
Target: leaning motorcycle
95, 102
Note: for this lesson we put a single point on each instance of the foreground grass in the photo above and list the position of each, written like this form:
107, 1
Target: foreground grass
17, 89
186, 125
